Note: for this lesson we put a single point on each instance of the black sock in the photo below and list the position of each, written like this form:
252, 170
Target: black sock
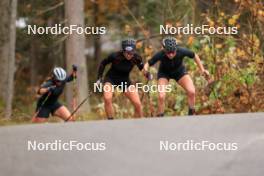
191, 111
110, 118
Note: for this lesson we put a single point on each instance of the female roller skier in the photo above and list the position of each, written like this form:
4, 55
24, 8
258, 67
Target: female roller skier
50, 92
122, 62
172, 67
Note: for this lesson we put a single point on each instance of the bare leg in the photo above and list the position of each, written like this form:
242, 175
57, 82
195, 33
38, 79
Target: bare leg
162, 82
133, 96
187, 84
108, 98
39, 120
63, 113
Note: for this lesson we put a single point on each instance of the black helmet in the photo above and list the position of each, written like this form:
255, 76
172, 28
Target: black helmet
169, 44
129, 44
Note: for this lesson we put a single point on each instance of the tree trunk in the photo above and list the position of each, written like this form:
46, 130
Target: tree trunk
33, 62
4, 21
96, 38
75, 45
97, 47
7, 53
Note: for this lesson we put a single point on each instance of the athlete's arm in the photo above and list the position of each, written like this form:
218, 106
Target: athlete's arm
196, 58
45, 87
71, 77
146, 67
152, 61
139, 62
102, 65
200, 65
140, 65
42, 91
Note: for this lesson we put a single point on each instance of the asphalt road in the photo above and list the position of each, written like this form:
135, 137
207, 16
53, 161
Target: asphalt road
132, 147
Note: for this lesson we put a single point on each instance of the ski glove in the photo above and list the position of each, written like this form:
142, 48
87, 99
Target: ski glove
74, 68
149, 76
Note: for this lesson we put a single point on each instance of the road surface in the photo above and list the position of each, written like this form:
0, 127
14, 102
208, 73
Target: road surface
133, 147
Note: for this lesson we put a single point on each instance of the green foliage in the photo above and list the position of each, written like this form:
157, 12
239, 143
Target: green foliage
248, 76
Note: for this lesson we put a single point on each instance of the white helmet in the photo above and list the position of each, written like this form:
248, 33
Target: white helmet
59, 73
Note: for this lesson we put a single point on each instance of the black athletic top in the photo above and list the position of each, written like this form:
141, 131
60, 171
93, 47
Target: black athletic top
121, 67
55, 94
168, 65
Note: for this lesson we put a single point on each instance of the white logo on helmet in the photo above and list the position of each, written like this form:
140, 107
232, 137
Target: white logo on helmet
59, 73
129, 48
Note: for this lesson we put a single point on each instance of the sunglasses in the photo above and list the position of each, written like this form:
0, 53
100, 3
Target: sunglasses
130, 53
170, 52
57, 81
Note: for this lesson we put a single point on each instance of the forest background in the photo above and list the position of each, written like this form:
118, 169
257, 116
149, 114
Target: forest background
234, 61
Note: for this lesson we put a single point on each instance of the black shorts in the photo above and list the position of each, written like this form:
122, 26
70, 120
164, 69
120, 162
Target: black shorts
176, 75
46, 110
118, 81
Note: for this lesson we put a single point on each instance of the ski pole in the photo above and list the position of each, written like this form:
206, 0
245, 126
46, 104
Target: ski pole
149, 77
211, 84
143, 94
42, 104
208, 78
77, 108
150, 105
74, 90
